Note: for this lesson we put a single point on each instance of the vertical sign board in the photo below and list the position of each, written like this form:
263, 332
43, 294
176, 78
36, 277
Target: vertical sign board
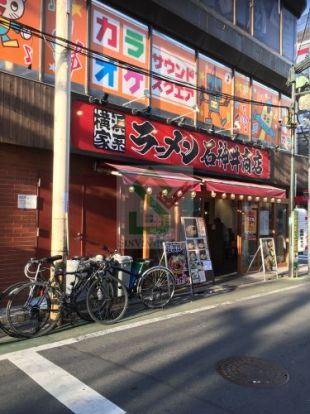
115, 35
265, 117
285, 131
216, 79
18, 46
78, 36
268, 253
198, 254
177, 62
242, 109
176, 260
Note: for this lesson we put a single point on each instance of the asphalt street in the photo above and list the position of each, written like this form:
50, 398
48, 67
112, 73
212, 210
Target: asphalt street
164, 361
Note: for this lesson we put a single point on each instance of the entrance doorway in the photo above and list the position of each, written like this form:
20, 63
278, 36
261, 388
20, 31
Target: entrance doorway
221, 221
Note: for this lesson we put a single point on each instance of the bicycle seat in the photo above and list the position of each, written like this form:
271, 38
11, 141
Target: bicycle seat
80, 258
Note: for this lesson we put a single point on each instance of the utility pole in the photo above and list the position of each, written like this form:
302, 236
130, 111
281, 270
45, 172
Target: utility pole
60, 200
294, 70
291, 223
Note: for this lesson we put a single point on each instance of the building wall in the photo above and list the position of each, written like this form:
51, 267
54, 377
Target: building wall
18, 239
26, 112
26, 233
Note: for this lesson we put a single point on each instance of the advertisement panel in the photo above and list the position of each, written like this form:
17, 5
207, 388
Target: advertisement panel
215, 104
242, 110
100, 130
265, 117
79, 37
19, 46
117, 36
177, 62
285, 132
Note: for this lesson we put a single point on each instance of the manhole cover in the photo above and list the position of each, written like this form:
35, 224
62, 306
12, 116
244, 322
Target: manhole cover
252, 372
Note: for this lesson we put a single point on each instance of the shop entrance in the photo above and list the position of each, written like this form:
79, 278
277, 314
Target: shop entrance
222, 224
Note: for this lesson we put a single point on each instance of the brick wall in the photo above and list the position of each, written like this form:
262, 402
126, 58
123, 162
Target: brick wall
19, 172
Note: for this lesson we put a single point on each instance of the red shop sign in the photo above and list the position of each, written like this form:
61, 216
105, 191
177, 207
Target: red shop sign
101, 130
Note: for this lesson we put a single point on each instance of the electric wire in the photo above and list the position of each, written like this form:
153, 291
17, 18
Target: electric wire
93, 54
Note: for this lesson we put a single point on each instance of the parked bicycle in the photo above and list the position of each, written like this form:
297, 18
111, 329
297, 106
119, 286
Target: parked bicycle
154, 286
36, 270
35, 308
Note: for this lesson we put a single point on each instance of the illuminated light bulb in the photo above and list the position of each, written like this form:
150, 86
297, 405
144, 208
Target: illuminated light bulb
165, 192
149, 190
180, 193
257, 198
278, 200
224, 195
193, 194
232, 196
265, 199
241, 197
131, 189
272, 200
249, 198
213, 194
79, 112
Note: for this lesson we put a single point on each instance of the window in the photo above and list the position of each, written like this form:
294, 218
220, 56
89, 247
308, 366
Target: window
222, 7
267, 22
243, 14
288, 34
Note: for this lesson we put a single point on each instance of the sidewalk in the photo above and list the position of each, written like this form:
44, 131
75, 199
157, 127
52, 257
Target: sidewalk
226, 289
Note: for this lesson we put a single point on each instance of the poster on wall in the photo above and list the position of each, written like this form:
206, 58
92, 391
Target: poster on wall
242, 108
172, 60
198, 254
268, 254
78, 36
17, 45
265, 117
117, 36
215, 105
176, 260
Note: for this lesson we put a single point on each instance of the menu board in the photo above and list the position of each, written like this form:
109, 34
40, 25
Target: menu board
176, 260
198, 254
268, 253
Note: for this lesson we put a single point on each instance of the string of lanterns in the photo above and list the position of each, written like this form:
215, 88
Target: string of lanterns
232, 196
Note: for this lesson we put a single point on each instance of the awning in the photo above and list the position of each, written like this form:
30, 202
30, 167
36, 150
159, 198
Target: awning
153, 177
236, 187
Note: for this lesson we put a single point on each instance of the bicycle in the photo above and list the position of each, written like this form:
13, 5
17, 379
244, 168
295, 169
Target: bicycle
35, 308
154, 287
34, 270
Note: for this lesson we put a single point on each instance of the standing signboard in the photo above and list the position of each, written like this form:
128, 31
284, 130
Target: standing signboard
198, 254
268, 255
268, 252
176, 260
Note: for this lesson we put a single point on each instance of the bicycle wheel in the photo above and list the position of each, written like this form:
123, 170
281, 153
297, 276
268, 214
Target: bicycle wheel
107, 299
80, 304
4, 297
33, 309
156, 287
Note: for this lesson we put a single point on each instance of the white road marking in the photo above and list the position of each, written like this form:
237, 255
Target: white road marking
67, 389
71, 392
132, 325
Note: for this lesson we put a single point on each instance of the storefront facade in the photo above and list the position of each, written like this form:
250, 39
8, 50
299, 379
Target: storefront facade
165, 172
200, 129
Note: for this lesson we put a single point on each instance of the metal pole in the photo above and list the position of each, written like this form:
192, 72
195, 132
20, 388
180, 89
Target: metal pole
61, 130
308, 218
292, 174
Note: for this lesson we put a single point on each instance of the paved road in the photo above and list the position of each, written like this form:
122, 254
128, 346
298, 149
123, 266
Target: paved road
164, 362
